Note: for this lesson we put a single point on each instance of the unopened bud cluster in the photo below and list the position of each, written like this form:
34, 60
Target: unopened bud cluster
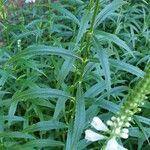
131, 106
119, 124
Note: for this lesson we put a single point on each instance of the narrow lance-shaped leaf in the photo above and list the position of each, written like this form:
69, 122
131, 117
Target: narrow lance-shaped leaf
108, 37
45, 126
44, 93
41, 143
69, 136
103, 57
40, 93
107, 11
60, 106
12, 111
143, 119
79, 117
127, 67
95, 89
83, 26
142, 128
36, 50
105, 104
26, 34
65, 69
16, 135
66, 12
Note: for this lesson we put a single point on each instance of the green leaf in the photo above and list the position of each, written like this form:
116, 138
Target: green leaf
41, 102
26, 34
108, 37
69, 136
126, 67
13, 118
65, 69
103, 58
79, 122
143, 119
96, 89
41, 143
83, 144
36, 50
88, 68
4, 75
66, 12
135, 132
20, 147
105, 104
16, 134
12, 111
141, 127
107, 11
116, 91
40, 93
83, 26
45, 126
60, 106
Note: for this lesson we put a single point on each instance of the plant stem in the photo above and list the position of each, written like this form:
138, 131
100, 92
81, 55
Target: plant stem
90, 32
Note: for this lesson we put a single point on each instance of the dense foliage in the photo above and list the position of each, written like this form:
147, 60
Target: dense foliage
64, 62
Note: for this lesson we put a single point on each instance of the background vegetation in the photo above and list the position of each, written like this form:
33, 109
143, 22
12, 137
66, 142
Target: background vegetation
64, 62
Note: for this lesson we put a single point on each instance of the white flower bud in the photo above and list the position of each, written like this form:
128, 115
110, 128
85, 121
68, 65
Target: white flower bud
124, 135
120, 123
117, 131
98, 124
113, 118
19, 43
123, 117
92, 136
142, 103
125, 130
109, 123
133, 104
129, 118
127, 124
118, 119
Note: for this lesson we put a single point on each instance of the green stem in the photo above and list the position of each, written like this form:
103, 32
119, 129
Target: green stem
90, 32
85, 48
96, 9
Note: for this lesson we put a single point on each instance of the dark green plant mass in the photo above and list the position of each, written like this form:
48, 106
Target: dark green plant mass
73, 72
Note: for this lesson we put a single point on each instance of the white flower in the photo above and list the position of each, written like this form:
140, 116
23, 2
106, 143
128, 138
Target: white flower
29, 1
92, 136
98, 124
113, 145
